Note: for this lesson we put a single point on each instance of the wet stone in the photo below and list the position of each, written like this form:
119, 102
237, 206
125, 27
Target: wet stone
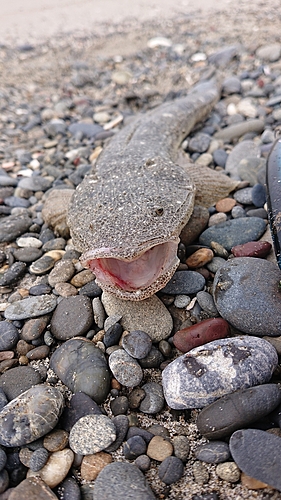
214, 452
18, 380
31, 307
184, 283
40, 352
91, 434
72, 317
30, 416
234, 232
137, 344
82, 367
153, 401
125, 478
171, 470
9, 336
34, 328
149, 315
245, 299
125, 368
80, 405
201, 376
237, 410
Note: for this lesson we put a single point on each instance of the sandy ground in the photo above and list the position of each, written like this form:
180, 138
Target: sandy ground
24, 21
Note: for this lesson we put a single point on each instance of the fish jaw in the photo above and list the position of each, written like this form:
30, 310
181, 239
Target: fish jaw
135, 278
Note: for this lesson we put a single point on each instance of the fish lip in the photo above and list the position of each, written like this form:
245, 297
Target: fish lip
126, 253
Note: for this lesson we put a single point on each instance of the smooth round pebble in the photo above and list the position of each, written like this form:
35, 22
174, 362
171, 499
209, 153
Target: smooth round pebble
246, 299
137, 344
56, 440
181, 446
201, 333
31, 307
153, 401
201, 376
214, 452
92, 465
121, 424
69, 489
125, 368
73, 317
38, 459
112, 335
228, 471
143, 463
237, 410
184, 283
134, 447
234, 232
181, 301
56, 468
9, 336
244, 196
122, 480
30, 416
19, 379
119, 405
200, 258
170, 470
91, 434
159, 448
258, 249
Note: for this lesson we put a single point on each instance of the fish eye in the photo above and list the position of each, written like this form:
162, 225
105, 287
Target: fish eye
158, 211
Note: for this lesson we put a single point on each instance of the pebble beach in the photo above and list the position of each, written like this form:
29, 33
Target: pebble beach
176, 396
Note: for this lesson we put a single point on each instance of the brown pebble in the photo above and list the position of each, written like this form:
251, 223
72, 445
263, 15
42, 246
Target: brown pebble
201, 333
65, 289
23, 360
159, 448
32, 488
200, 258
252, 249
23, 347
115, 384
252, 483
25, 455
6, 355
92, 465
33, 328
225, 205
40, 352
56, 440
7, 363
82, 278
196, 224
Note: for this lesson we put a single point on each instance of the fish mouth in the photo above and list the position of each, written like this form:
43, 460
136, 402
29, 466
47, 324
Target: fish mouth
136, 277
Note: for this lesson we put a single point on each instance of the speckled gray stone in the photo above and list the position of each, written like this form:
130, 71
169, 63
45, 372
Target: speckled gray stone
149, 315
13, 226
137, 344
91, 434
30, 416
18, 380
258, 454
72, 317
31, 307
121, 480
234, 232
217, 368
153, 401
246, 294
213, 452
184, 283
9, 336
125, 368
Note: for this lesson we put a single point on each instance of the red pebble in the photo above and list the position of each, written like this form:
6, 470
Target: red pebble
252, 249
201, 333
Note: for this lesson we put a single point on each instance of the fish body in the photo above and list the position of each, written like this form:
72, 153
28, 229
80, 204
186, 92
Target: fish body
126, 215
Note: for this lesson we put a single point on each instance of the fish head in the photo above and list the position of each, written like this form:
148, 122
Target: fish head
127, 226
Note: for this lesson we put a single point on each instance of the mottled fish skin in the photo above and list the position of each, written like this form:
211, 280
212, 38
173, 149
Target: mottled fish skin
138, 196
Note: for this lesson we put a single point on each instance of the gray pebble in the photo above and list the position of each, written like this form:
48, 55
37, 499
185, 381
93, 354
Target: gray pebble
239, 129
18, 380
154, 399
199, 143
42, 266
121, 480
99, 313
181, 446
9, 336
125, 368
231, 85
252, 170
134, 447
137, 344
215, 264
13, 226
31, 307
30, 416
82, 367
237, 410
86, 129
35, 183
181, 301
170, 470
143, 463
224, 56
244, 196
121, 424
69, 489
91, 434
40, 289
238, 212
112, 335
79, 405
214, 452
153, 359
27, 254
246, 299
258, 195
184, 283
201, 376
220, 157
242, 150
234, 232
206, 302
38, 459
4, 480
119, 405
13, 274
73, 317
258, 454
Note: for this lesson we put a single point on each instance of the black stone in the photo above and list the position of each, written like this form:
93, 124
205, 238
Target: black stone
214, 452
9, 336
80, 405
171, 470
184, 283
134, 447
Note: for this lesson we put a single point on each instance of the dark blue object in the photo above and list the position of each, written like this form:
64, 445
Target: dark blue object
273, 183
